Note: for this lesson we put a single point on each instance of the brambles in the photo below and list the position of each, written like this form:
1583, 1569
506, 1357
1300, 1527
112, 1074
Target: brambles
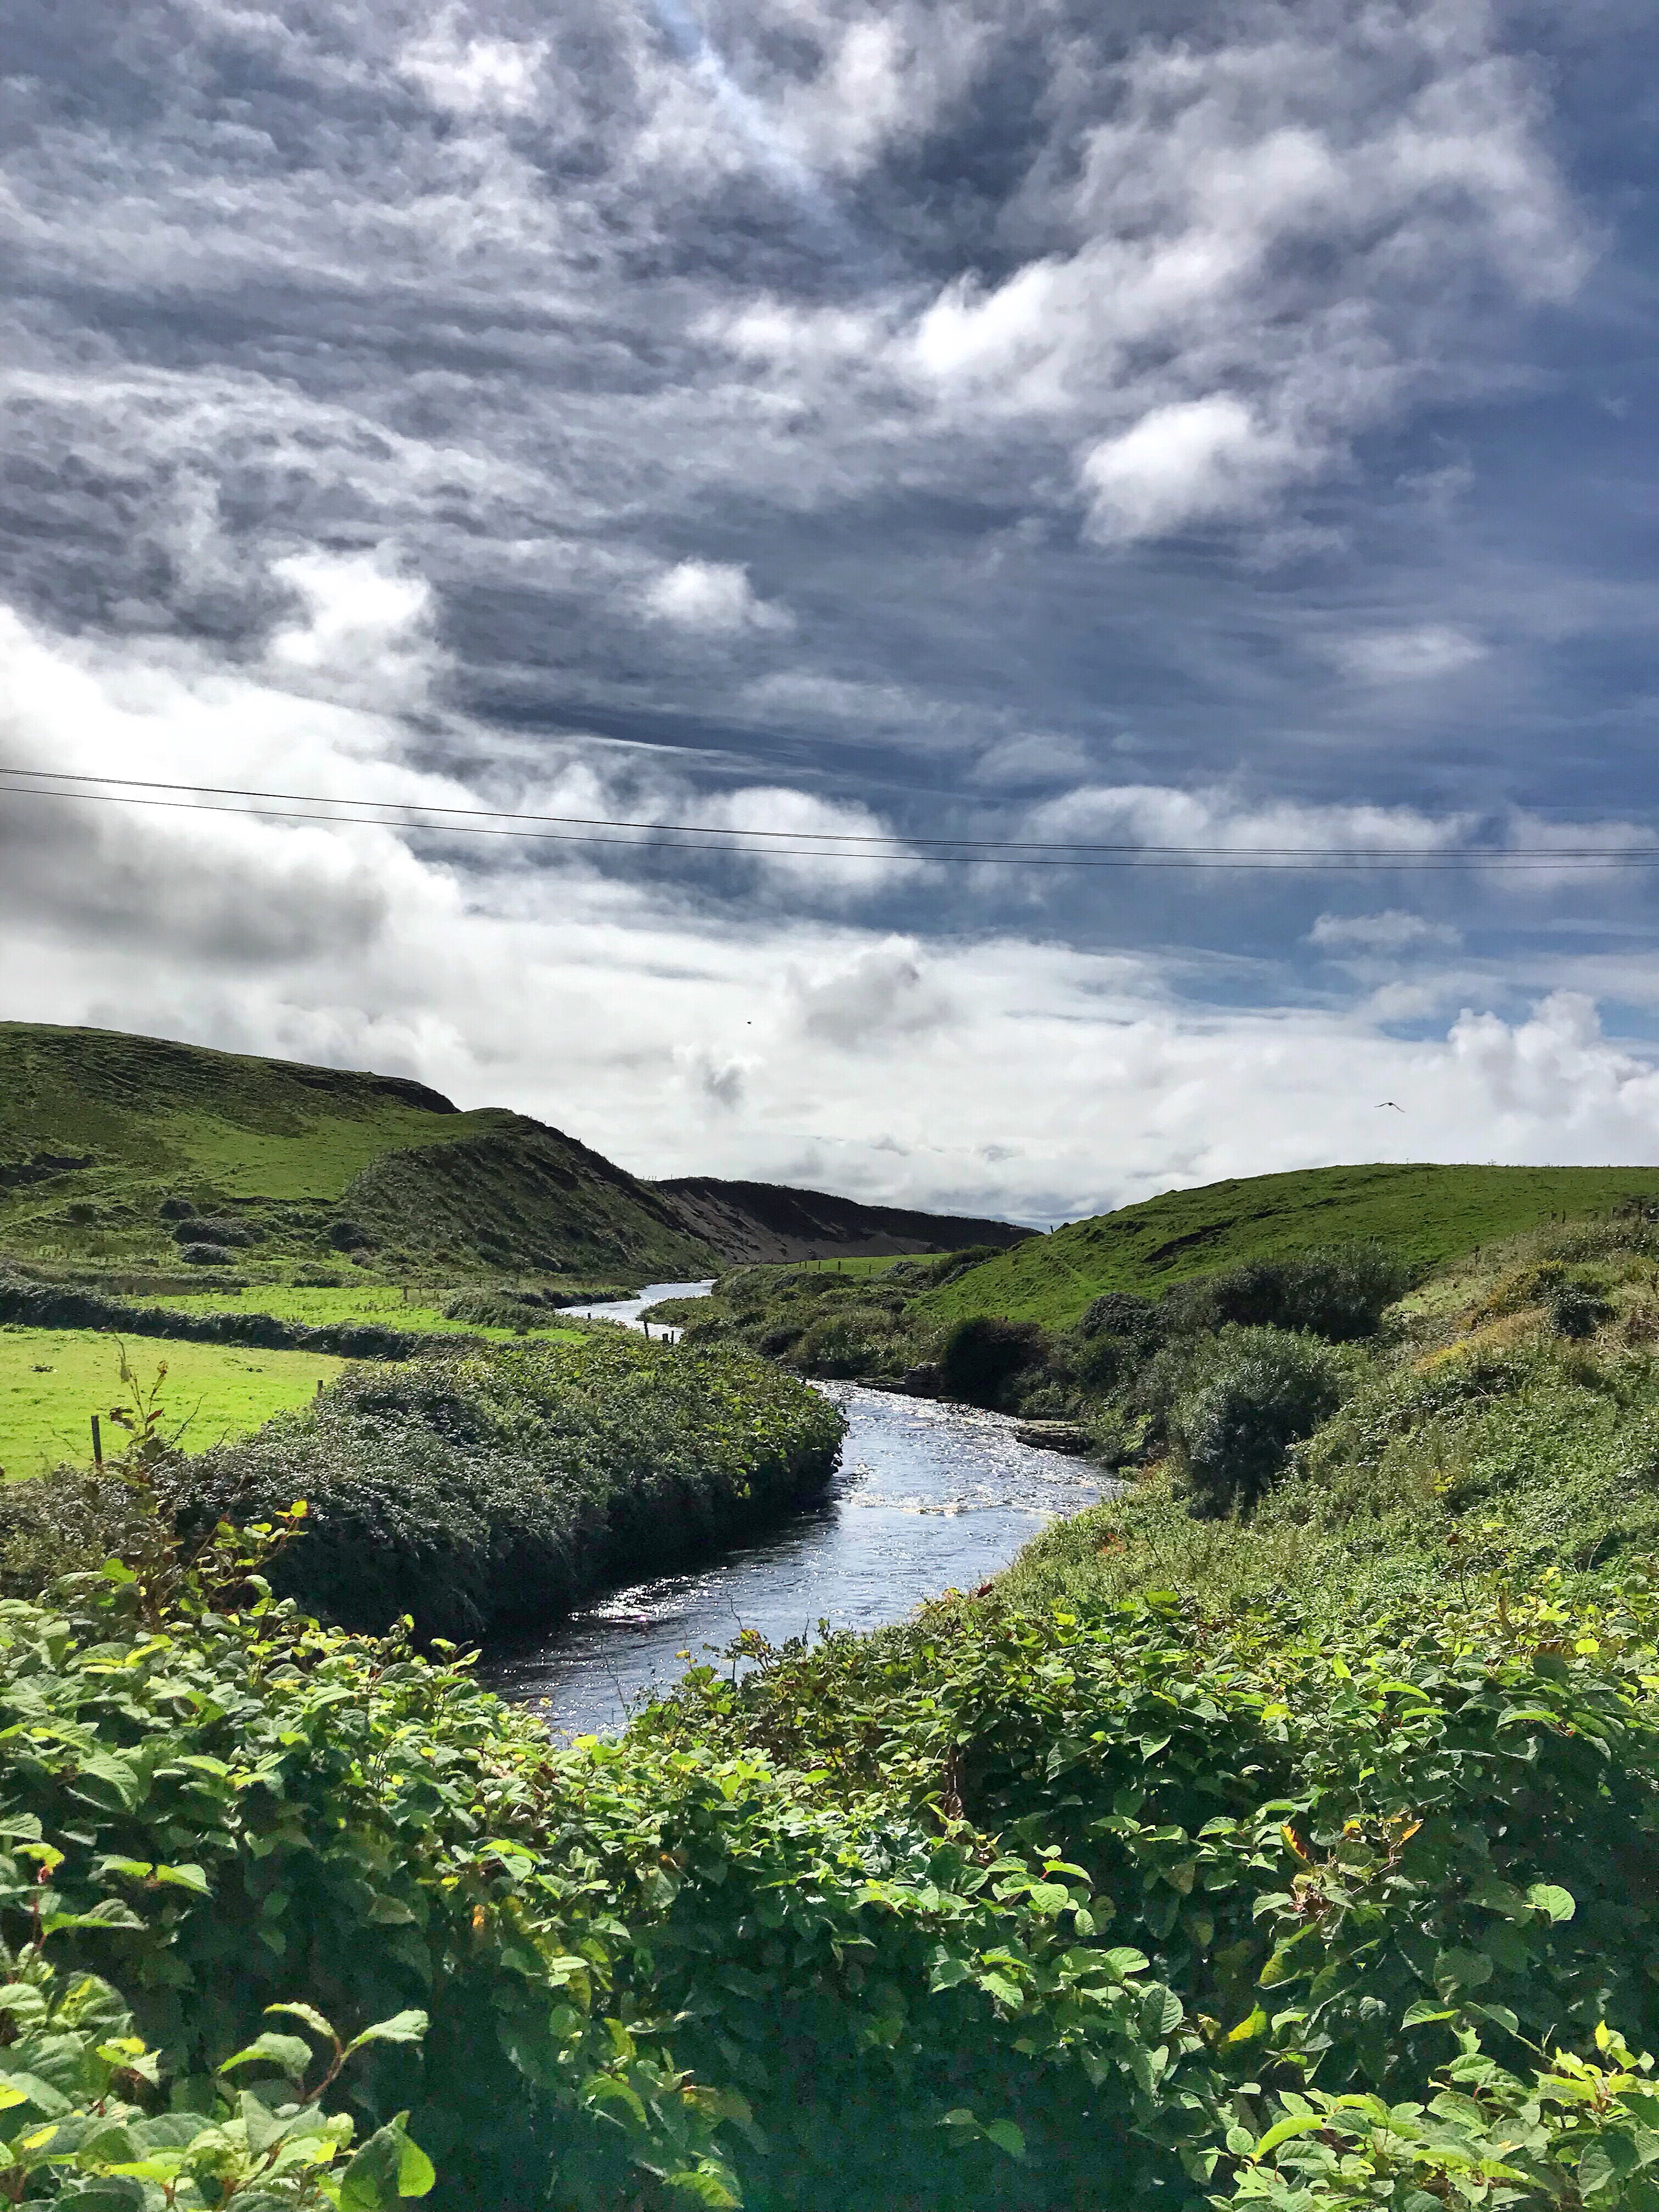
1575, 1309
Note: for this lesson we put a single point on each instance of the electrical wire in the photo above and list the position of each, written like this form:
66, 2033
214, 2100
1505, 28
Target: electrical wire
798, 844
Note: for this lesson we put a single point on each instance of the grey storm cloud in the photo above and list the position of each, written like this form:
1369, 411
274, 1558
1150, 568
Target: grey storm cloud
826, 426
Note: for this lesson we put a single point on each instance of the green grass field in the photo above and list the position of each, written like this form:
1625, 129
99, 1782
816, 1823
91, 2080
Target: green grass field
1430, 1214
356, 1302
53, 1381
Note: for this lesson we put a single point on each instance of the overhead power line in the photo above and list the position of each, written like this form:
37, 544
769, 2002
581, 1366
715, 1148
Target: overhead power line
437, 819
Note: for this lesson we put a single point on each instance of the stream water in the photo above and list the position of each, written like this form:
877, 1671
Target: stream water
927, 1497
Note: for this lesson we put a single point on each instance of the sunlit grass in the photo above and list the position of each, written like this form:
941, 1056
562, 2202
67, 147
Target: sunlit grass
53, 1381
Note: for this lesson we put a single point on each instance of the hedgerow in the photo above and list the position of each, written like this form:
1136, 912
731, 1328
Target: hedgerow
56, 1305
510, 1483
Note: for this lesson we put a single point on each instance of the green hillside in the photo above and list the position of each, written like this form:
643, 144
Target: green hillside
124, 1153
1429, 1214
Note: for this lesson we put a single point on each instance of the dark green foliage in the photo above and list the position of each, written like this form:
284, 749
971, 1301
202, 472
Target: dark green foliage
206, 1229
69, 1524
653, 1975
1123, 1316
82, 2103
981, 1357
508, 1485
1575, 1309
1338, 1293
1341, 1850
1264, 1390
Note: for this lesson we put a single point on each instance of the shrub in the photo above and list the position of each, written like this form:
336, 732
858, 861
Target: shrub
1123, 1314
1349, 1855
1575, 2132
982, 1357
847, 1343
507, 1482
1339, 1292
1267, 1390
205, 1229
1575, 1309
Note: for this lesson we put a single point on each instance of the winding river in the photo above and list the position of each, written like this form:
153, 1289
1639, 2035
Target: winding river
928, 1497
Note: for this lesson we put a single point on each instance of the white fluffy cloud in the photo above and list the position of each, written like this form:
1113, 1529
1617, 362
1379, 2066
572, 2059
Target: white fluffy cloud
713, 597
1192, 461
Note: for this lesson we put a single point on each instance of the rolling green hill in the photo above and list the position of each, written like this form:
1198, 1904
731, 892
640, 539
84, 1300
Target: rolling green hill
130, 1153
1428, 1213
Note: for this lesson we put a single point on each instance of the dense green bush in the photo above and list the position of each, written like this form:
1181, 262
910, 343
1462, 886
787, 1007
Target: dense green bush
981, 1357
1264, 1391
1351, 1854
1339, 1293
510, 1484
1576, 1309
653, 1973
1575, 2133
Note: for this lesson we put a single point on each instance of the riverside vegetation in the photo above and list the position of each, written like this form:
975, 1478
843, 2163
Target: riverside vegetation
1284, 1831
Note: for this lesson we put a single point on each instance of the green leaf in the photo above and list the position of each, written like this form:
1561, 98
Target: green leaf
1548, 1896
184, 1877
1462, 1970
402, 2027
308, 2014
1006, 2137
386, 2169
1299, 2123
290, 2054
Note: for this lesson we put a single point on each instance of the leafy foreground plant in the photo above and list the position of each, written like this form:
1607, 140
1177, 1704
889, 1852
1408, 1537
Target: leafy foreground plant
990, 1914
83, 2122
1352, 1859
1575, 2135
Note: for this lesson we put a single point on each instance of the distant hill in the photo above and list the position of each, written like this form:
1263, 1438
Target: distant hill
1431, 1214
769, 1221
130, 1154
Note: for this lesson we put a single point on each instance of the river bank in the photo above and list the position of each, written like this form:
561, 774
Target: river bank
928, 1497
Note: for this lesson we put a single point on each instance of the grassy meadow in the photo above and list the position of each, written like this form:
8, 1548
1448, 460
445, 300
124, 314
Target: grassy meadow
317, 1308
53, 1381
1428, 1215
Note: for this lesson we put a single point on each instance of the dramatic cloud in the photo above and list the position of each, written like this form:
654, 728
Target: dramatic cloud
829, 456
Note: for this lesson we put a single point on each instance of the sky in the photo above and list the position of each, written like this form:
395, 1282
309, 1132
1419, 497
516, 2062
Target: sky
1108, 422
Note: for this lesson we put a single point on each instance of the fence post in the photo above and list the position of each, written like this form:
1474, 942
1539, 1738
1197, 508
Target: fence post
97, 1443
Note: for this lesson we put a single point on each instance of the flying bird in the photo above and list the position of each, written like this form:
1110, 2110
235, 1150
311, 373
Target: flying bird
1382, 1102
